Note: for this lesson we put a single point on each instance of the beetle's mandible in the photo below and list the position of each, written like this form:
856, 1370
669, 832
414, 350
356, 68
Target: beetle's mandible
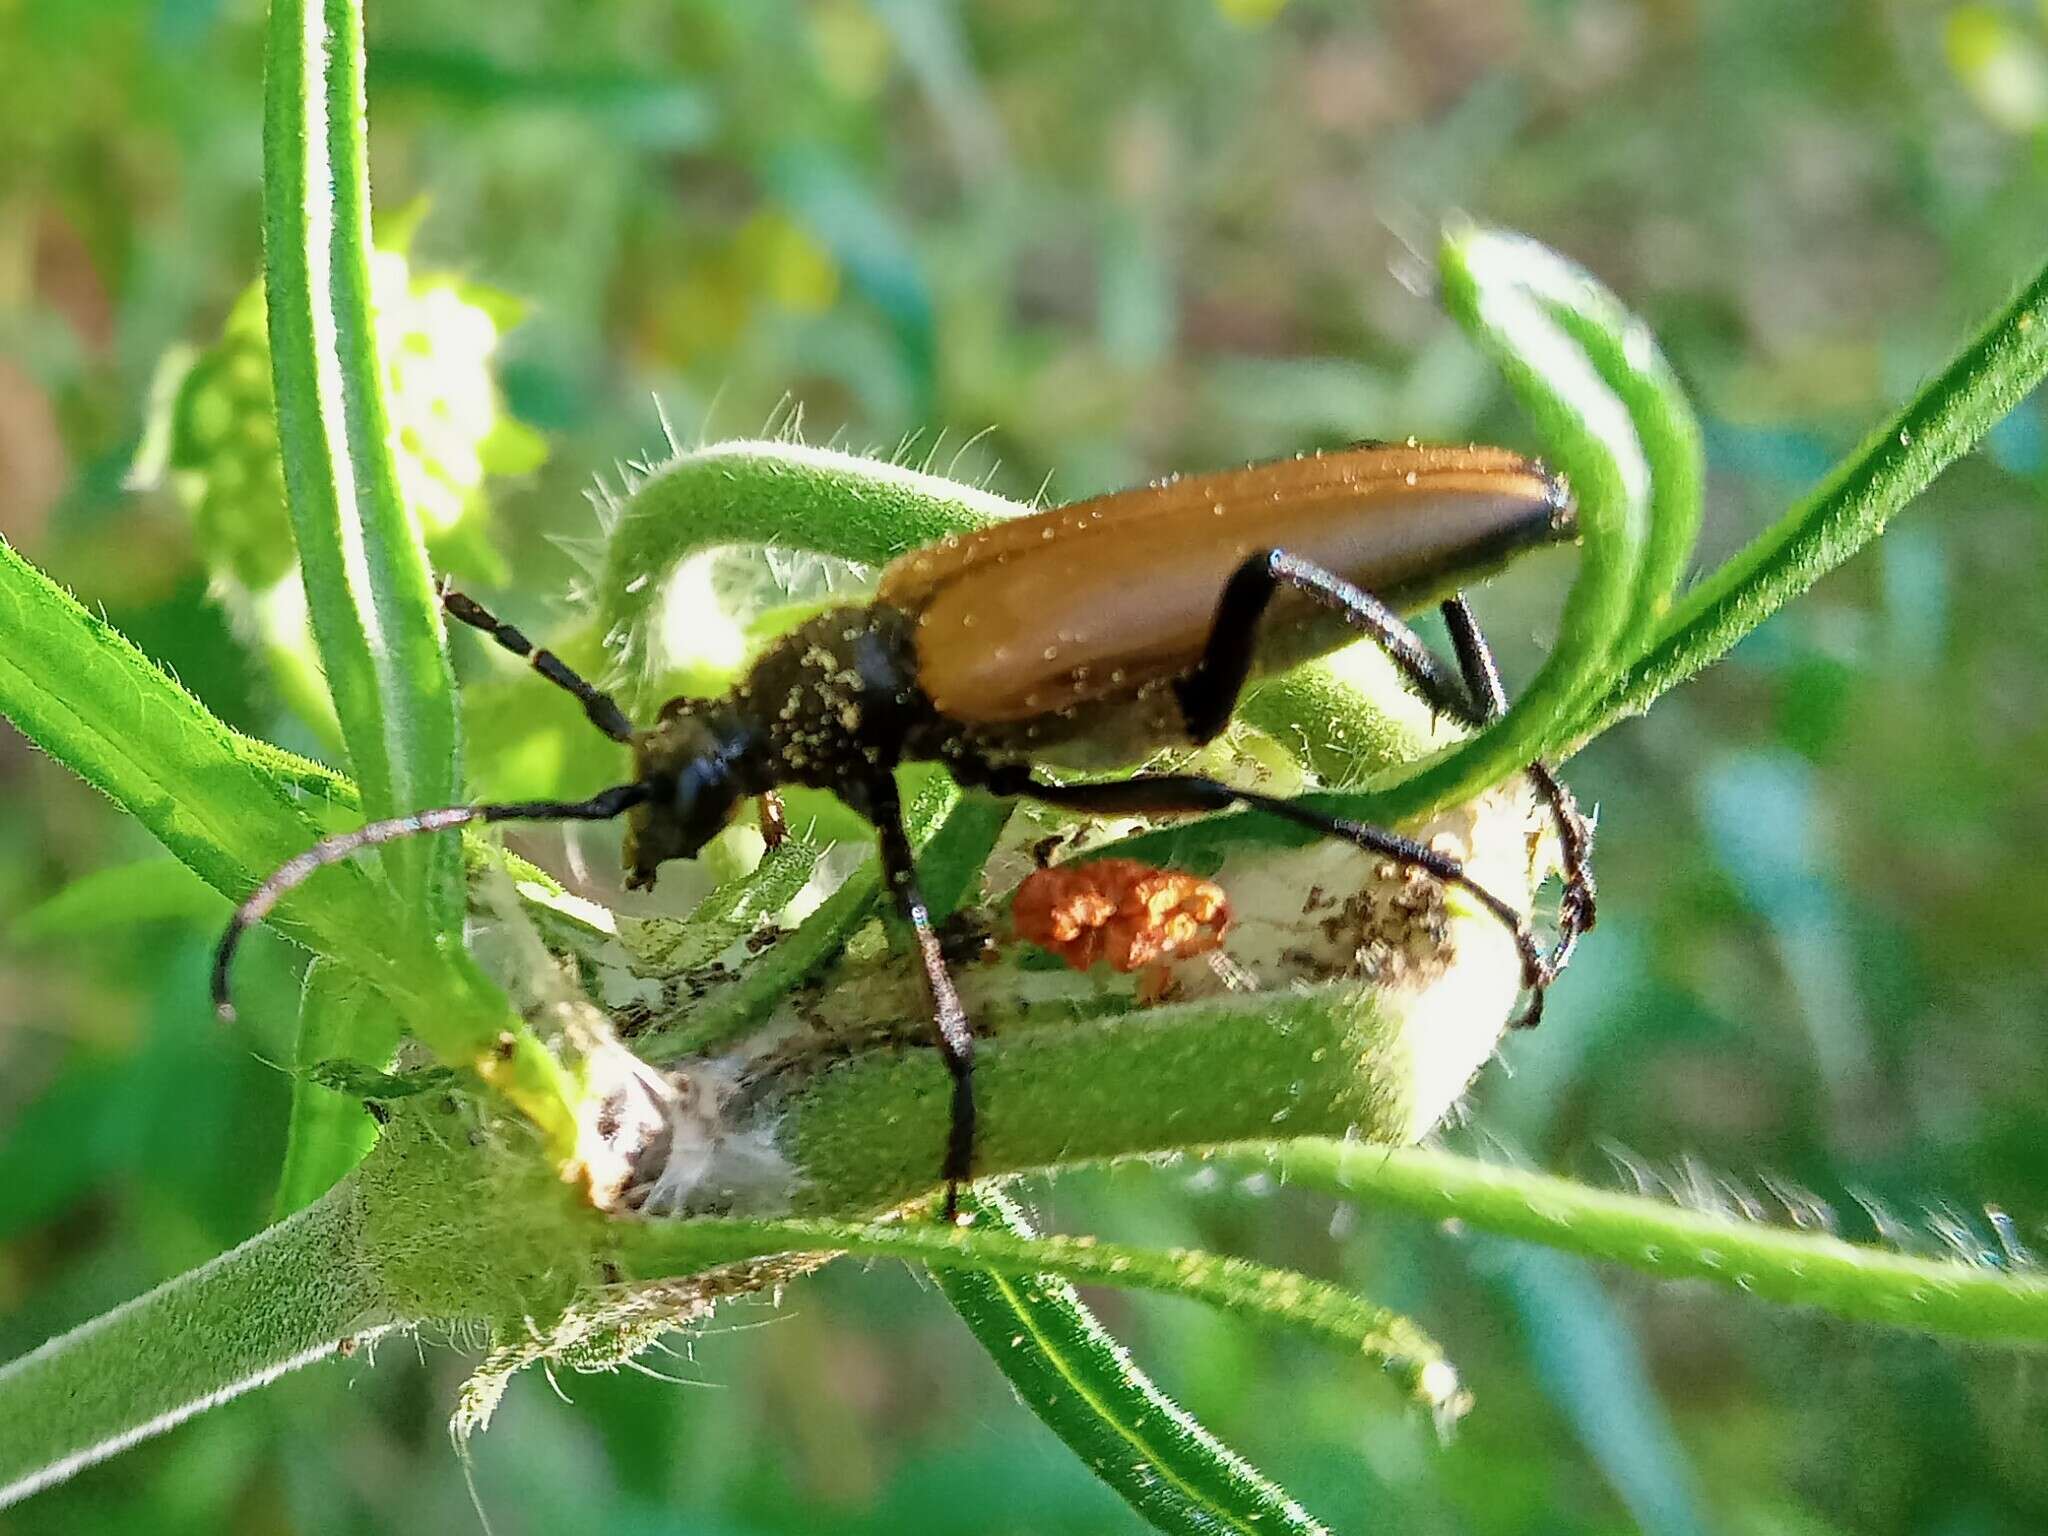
1085, 636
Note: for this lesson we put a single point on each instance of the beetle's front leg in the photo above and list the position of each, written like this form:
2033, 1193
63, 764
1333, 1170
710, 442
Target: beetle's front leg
884, 807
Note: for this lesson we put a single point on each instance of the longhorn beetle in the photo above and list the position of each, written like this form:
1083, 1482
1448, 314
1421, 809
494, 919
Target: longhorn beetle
1087, 636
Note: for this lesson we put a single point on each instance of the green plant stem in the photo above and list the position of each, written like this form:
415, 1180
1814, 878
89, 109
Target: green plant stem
1850, 1280
290, 1295
1945, 420
368, 589
1329, 1059
437, 1224
426, 1230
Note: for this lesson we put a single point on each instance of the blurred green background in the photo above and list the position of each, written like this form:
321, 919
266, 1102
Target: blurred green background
1078, 246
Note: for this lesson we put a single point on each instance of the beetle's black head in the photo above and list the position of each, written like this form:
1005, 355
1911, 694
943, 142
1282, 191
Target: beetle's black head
698, 762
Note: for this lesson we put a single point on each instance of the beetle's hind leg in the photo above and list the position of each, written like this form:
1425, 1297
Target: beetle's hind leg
1209, 693
601, 708
1576, 909
884, 807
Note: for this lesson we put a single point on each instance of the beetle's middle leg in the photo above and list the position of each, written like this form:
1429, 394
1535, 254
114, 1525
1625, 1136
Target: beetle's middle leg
881, 804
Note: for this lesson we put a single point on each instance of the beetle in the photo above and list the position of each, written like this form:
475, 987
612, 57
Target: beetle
1088, 636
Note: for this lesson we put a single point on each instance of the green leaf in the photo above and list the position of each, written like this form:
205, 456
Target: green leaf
1587, 431
234, 810
1945, 420
953, 834
340, 1018
229, 808
367, 584
1085, 1388
1625, 354
672, 947
357, 1081
368, 588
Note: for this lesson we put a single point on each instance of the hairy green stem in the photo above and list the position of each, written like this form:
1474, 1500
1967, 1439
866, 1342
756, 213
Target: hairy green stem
290, 1295
368, 588
652, 1251
1130, 1083
1811, 1269
427, 1230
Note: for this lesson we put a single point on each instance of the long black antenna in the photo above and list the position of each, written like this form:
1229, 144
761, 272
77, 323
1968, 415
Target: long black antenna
602, 710
295, 872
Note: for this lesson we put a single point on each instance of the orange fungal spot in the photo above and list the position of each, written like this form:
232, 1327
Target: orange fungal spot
1129, 914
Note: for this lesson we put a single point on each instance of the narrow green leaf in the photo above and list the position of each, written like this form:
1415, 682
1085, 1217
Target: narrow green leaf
368, 588
675, 946
232, 809
360, 1082
656, 1250
1085, 1388
1625, 354
961, 837
226, 806
953, 835
783, 966
367, 584
1944, 421
1586, 432
340, 1018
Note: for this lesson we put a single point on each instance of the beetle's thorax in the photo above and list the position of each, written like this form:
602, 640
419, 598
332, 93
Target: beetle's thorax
836, 699
833, 704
